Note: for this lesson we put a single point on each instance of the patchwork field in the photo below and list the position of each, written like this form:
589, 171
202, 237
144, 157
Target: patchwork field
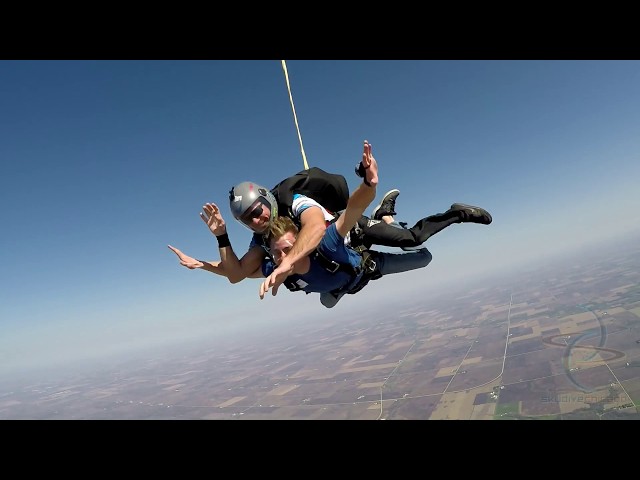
558, 344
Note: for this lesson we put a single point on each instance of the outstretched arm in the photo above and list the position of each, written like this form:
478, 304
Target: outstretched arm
362, 197
235, 269
212, 266
312, 228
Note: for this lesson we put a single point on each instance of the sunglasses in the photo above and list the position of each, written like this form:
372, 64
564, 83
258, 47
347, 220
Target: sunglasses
254, 211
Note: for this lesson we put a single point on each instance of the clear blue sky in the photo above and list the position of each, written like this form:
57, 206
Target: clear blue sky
104, 163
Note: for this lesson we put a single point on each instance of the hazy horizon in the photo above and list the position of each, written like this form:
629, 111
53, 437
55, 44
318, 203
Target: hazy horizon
210, 338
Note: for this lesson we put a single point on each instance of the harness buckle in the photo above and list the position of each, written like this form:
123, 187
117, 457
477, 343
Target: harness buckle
368, 263
335, 266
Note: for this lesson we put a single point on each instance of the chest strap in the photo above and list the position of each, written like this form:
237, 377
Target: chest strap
332, 266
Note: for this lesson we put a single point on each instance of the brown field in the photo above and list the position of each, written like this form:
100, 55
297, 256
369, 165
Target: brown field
565, 347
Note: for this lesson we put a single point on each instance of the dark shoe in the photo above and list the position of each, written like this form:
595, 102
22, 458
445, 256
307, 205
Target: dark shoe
469, 213
387, 206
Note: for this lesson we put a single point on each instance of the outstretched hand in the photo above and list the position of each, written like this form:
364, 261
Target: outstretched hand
185, 260
213, 218
277, 278
370, 165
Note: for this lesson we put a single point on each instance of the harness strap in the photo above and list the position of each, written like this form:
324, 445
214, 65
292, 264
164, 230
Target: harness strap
370, 269
333, 266
367, 265
292, 286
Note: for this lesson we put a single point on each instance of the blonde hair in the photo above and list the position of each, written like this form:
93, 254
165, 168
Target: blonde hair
279, 227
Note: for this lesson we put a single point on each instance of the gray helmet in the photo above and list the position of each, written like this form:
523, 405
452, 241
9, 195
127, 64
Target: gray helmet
247, 199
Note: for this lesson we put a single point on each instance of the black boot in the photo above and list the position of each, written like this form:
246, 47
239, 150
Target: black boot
469, 213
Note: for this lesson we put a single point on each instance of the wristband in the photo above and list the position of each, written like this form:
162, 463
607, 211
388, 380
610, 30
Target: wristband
361, 172
223, 240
